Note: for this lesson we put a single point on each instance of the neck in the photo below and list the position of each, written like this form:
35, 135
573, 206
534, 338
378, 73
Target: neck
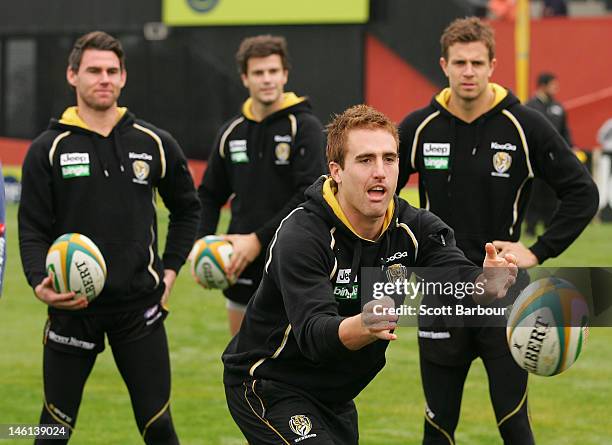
101, 122
470, 110
367, 227
261, 111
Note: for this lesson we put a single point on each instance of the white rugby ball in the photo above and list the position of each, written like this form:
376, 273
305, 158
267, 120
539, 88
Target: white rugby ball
210, 258
547, 327
76, 265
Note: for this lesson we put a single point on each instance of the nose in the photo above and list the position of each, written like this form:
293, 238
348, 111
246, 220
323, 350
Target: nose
104, 77
469, 70
379, 168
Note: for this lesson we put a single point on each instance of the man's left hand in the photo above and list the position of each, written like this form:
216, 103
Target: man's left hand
524, 257
169, 278
246, 249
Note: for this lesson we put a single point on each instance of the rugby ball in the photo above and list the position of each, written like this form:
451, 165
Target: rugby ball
547, 326
76, 264
210, 258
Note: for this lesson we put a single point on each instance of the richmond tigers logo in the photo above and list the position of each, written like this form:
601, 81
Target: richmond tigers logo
300, 425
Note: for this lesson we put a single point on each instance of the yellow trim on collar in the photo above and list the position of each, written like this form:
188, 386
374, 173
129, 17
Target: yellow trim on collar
289, 100
500, 92
71, 117
329, 194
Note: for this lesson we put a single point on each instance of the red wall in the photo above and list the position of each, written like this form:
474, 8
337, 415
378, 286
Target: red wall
579, 52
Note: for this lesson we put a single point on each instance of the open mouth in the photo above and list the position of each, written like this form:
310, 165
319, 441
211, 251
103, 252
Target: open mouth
377, 193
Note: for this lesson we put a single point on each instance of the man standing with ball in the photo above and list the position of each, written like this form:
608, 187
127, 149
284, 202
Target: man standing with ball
477, 150
97, 171
264, 158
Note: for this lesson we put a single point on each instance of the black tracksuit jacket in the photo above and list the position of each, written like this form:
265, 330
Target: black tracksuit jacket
266, 166
477, 176
290, 330
76, 180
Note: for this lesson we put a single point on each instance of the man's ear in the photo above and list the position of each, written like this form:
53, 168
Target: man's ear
335, 171
71, 76
443, 65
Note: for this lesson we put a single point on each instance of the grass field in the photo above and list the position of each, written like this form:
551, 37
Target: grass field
569, 409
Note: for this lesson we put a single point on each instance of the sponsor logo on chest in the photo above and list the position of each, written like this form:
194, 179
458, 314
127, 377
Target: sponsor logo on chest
343, 290
436, 149
436, 155
74, 165
238, 151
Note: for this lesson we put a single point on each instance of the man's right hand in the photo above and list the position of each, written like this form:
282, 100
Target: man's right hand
45, 293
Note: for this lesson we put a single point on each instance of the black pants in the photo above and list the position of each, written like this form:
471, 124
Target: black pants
271, 413
140, 349
443, 386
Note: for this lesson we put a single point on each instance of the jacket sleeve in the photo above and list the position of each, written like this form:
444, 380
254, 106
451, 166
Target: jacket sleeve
407, 130
564, 130
556, 164
214, 190
300, 268
308, 163
36, 216
179, 196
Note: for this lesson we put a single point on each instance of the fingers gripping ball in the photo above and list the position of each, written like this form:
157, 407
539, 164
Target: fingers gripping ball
210, 258
547, 326
76, 265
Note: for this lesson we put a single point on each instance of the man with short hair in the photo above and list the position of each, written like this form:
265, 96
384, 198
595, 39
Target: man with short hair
477, 150
123, 163
543, 202
264, 159
305, 349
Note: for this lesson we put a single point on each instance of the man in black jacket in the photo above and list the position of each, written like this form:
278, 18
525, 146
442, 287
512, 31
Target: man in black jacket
305, 349
477, 149
265, 157
97, 172
543, 202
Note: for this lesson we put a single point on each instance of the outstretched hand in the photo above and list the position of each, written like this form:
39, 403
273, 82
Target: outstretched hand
499, 274
376, 317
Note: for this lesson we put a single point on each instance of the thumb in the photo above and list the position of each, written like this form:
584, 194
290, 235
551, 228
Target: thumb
490, 251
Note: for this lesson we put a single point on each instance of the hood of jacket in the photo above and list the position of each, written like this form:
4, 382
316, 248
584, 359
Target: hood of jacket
503, 99
71, 121
291, 104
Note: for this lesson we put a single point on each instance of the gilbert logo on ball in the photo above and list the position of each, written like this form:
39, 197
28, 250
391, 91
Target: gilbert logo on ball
210, 258
76, 264
547, 326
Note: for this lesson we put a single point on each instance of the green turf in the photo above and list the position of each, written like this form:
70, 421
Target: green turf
572, 408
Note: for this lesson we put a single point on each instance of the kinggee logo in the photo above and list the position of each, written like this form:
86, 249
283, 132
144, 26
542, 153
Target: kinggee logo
202, 5
507, 146
397, 256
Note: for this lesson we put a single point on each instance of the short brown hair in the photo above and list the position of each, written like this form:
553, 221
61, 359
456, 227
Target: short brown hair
262, 46
467, 30
357, 116
95, 40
